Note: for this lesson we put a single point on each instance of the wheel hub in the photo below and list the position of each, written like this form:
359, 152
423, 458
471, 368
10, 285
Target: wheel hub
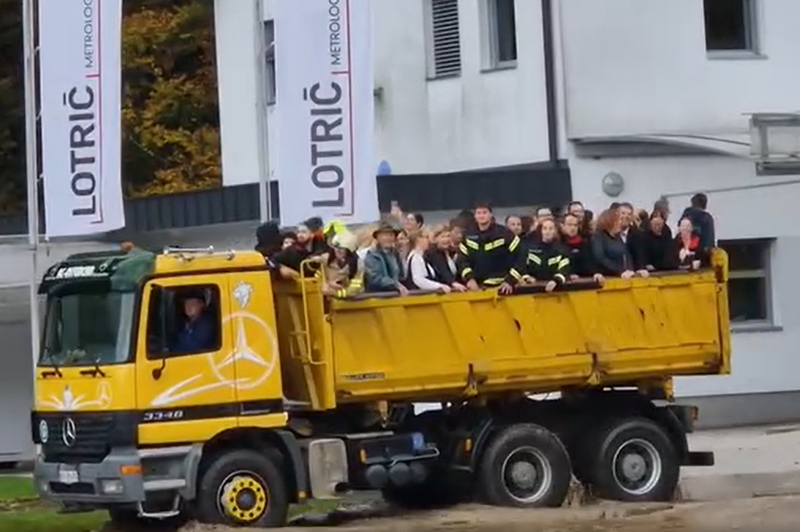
637, 467
634, 467
243, 498
527, 475
523, 474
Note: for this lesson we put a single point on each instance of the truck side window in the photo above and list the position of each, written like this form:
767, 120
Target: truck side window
187, 322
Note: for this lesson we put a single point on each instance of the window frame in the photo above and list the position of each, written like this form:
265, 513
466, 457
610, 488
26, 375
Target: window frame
269, 59
430, 44
752, 18
491, 38
765, 247
217, 295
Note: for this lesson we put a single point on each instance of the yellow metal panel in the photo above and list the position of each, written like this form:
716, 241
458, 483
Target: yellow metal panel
436, 346
187, 380
201, 430
255, 337
305, 343
74, 392
200, 262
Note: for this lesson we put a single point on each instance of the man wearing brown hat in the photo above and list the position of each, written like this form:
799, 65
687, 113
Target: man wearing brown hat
383, 270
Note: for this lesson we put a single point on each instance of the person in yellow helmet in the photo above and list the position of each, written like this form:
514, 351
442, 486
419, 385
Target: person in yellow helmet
333, 228
344, 273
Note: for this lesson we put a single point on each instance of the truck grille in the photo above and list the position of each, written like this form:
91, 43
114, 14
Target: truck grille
91, 442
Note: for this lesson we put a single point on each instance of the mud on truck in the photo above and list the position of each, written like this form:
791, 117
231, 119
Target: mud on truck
295, 395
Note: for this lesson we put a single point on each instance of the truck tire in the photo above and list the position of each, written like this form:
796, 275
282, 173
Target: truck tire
243, 488
634, 461
525, 466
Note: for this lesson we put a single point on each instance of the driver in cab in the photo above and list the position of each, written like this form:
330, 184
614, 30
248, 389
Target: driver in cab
197, 334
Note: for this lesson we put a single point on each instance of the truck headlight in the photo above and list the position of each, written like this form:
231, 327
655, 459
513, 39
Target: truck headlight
44, 431
112, 487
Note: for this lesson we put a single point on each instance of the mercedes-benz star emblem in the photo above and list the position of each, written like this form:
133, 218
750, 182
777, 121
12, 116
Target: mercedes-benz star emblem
69, 433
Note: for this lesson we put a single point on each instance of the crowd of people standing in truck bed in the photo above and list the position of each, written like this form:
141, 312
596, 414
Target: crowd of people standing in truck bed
550, 247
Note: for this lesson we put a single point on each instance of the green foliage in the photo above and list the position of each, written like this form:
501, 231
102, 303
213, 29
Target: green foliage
169, 109
170, 113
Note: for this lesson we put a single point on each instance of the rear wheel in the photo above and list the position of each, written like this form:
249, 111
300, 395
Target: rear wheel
243, 488
525, 466
634, 461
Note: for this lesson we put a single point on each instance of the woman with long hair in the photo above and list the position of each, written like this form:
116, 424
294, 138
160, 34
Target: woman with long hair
610, 253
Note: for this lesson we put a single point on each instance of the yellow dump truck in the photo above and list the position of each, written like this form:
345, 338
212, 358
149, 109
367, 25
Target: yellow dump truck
192, 383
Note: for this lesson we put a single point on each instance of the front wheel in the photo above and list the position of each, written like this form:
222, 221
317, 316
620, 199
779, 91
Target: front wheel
635, 461
243, 488
526, 466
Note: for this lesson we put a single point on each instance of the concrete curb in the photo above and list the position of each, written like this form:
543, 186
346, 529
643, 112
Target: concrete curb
739, 486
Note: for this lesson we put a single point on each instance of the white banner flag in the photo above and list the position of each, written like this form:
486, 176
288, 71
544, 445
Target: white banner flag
80, 69
325, 157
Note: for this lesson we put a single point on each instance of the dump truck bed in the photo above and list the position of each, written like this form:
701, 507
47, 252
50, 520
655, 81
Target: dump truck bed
431, 347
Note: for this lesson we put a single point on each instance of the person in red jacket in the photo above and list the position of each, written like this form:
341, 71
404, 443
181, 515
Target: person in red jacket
689, 252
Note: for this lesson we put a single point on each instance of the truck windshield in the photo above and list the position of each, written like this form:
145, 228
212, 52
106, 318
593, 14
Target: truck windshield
87, 328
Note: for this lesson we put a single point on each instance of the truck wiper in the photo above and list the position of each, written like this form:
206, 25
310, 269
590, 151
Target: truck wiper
95, 371
56, 371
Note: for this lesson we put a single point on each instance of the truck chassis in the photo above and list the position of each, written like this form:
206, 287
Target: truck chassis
506, 451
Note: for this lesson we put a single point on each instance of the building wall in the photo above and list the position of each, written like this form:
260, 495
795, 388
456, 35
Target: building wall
745, 207
480, 119
634, 67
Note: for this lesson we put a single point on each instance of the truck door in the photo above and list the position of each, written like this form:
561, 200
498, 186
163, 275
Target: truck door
185, 362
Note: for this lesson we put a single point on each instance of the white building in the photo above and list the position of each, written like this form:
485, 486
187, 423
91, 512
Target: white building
656, 92
530, 102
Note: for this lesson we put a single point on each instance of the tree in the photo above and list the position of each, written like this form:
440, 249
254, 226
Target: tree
169, 108
12, 107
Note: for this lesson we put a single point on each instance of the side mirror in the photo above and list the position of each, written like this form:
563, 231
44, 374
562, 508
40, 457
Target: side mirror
159, 295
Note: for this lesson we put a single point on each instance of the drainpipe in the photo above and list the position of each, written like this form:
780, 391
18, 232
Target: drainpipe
550, 79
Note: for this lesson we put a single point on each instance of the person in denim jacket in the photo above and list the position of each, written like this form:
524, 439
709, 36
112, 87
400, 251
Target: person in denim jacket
383, 269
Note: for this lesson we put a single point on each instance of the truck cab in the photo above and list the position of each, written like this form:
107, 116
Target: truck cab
191, 383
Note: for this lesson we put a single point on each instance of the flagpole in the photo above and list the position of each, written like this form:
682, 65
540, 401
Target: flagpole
31, 167
262, 117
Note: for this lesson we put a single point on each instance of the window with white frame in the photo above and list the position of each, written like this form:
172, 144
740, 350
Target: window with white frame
749, 292
730, 26
269, 53
444, 38
501, 34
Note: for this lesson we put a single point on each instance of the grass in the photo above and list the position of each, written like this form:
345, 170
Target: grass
22, 511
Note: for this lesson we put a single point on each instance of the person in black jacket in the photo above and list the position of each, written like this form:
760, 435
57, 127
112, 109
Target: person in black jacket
632, 236
611, 255
546, 261
658, 244
579, 247
489, 253
288, 261
442, 261
268, 238
702, 221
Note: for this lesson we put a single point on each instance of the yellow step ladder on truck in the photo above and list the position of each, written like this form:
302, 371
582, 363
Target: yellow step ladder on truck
191, 384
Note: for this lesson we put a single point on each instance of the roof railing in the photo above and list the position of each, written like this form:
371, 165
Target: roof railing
189, 254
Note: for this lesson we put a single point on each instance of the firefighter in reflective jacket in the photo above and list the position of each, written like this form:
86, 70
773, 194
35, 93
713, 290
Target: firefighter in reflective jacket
489, 254
546, 260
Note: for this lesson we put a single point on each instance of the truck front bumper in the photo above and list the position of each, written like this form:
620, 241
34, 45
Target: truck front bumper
126, 477
116, 480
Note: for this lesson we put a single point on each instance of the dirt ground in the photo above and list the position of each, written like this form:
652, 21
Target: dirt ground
775, 513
